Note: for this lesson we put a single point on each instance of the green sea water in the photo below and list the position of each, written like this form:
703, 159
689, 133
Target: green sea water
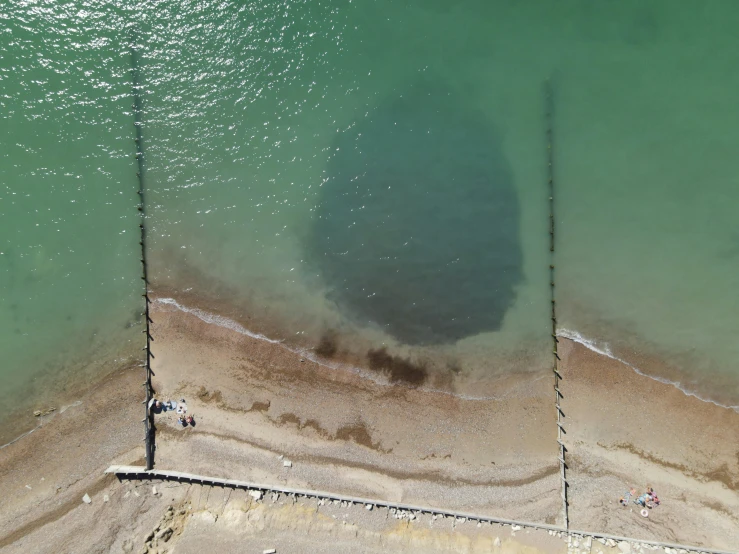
376, 170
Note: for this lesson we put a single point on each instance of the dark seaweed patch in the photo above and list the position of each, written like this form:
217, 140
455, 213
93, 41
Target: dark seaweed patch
398, 370
327, 346
417, 224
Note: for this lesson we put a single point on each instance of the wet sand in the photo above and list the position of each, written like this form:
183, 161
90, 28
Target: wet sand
625, 430
255, 401
258, 405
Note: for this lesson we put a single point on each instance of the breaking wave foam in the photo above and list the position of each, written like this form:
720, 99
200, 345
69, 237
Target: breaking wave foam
605, 350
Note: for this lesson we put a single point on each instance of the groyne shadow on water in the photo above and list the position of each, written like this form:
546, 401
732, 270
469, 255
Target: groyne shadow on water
417, 225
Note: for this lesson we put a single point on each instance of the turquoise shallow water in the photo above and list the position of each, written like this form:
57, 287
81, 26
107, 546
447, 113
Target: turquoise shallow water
377, 170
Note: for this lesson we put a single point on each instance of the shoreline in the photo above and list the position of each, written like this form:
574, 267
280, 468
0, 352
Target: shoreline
575, 336
259, 401
226, 323
258, 404
592, 346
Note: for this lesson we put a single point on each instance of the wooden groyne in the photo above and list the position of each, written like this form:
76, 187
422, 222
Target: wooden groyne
140, 473
137, 107
549, 123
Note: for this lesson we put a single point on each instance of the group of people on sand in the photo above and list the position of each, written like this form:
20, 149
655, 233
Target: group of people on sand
184, 420
647, 500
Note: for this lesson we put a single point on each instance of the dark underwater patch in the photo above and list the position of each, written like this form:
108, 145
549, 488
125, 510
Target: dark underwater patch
417, 225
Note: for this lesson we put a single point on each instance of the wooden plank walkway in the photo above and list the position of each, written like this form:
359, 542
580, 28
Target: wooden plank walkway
140, 472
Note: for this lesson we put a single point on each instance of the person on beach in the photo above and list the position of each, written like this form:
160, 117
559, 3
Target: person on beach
652, 498
182, 408
155, 406
190, 421
624, 500
182, 421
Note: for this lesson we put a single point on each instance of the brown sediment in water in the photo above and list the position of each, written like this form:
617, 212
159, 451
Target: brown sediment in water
396, 368
406, 440
328, 346
255, 401
323, 417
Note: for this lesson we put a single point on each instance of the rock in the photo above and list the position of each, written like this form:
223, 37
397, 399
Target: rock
106, 498
154, 490
576, 543
496, 542
516, 527
269, 551
287, 463
256, 495
28, 487
136, 493
165, 534
624, 547
368, 507
86, 499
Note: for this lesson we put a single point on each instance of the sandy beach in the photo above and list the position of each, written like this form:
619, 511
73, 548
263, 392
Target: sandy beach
258, 404
625, 430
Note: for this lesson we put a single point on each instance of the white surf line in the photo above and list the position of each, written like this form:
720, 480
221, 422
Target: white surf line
61, 411
16, 439
140, 473
591, 345
221, 321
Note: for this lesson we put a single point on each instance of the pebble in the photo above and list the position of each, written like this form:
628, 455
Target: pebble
106, 498
86, 499
256, 495
154, 491
624, 547
271, 550
368, 507
287, 463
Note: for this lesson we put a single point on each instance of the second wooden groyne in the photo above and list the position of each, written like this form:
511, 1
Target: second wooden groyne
140, 473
